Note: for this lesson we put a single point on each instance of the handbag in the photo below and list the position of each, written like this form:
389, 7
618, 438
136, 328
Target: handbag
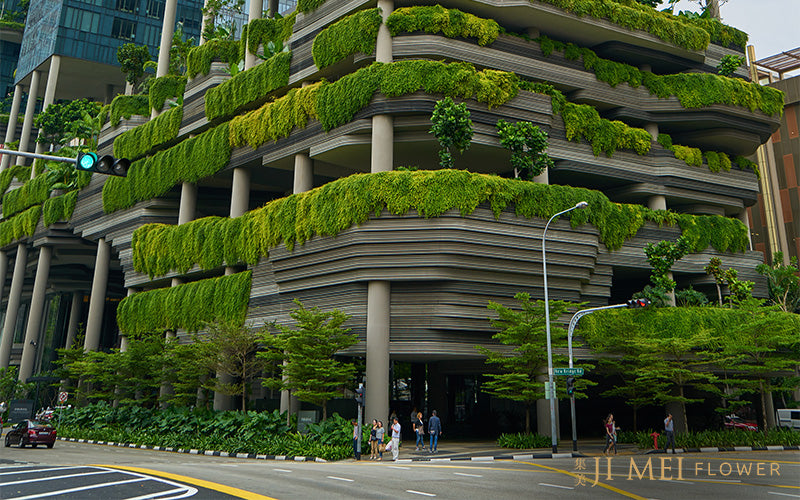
382, 447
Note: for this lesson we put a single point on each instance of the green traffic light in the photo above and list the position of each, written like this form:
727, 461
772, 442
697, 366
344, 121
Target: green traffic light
86, 161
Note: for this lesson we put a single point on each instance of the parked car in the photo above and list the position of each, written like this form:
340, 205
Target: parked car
788, 418
734, 422
31, 432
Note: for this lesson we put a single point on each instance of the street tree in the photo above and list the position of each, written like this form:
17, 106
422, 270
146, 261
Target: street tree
10, 386
231, 348
524, 331
783, 282
304, 358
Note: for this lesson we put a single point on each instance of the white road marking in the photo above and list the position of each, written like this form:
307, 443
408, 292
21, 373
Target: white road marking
341, 479
28, 471
73, 490
160, 495
420, 493
468, 475
228, 465
53, 478
398, 467
557, 486
783, 494
282, 470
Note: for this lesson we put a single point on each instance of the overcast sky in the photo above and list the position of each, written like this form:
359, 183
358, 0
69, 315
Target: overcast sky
773, 25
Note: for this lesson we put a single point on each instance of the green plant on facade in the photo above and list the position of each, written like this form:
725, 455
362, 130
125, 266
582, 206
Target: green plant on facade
783, 282
21, 225
353, 34
33, 192
59, 208
248, 86
729, 64
306, 6
269, 29
200, 58
212, 242
189, 161
452, 23
662, 256
582, 121
157, 132
528, 146
166, 87
224, 299
694, 157
19, 172
451, 126
132, 58
125, 106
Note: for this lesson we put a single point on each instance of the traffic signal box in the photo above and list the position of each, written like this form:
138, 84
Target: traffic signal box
107, 164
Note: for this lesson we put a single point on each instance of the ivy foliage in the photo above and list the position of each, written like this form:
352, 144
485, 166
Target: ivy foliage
717, 161
306, 6
693, 90
248, 86
59, 208
200, 57
166, 87
729, 64
329, 209
452, 23
269, 29
20, 172
355, 33
189, 161
125, 106
19, 226
582, 121
33, 192
138, 141
225, 299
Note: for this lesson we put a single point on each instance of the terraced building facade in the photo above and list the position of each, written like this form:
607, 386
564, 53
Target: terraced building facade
284, 181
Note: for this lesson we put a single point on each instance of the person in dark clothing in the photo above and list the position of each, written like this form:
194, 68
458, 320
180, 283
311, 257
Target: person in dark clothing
435, 430
356, 451
669, 430
419, 431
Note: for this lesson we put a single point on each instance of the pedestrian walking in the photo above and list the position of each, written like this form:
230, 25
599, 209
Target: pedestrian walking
419, 430
395, 438
611, 434
373, 440
379, 433
435, 430
356, 451
669, 430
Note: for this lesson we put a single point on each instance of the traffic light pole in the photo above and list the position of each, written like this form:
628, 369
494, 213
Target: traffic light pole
37, 156
572, 324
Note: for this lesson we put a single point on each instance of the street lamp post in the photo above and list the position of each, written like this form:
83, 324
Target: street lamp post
553, 427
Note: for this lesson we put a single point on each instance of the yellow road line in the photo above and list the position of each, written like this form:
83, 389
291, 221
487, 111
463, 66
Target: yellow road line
603, 485
230, 490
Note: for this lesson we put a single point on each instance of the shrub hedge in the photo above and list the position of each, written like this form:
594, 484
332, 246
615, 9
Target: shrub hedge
522, 441
125, 106
329, 209
452, 23
189, 161
165, 87
269, 29
59, 208
224, 299
723, 438
140, 140
199, 60
355, 33
33, 192
248, 86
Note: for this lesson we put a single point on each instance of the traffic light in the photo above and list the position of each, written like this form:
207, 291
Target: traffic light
360, 394
107, 164
637, 303
570, 386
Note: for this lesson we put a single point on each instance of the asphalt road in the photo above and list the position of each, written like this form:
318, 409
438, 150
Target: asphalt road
745, 475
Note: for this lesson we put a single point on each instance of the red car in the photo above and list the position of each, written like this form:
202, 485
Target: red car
734, 422
31, 432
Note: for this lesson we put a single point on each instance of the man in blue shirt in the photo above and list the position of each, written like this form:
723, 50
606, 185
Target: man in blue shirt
435, 428
669, 429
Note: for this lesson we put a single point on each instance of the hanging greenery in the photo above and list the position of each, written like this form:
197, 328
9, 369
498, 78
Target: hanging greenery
33, 192
19, 172
200, 58
188, 161
19, 226
329, 209
166, 87
353, 34
140, 140
59, 208
694, 157
248, 86
224, 299
125, 106
269, 29
452, 23
306, 6
582, 121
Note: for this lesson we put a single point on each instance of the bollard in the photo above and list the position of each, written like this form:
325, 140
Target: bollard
655, 439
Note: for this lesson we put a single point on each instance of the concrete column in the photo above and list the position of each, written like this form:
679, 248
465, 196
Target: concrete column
166, 388
378, 320
652, 129
97, 299
383, 45
382, 159
208, 21
14, 297
254, 12
657, 202
188, 208
240, 192
273, 8
31, 344
167, 30
3, 274
12, 124
27, 125
289, 402
303, 173
49, 96
543, 411
437, 391
74, 318
742, 216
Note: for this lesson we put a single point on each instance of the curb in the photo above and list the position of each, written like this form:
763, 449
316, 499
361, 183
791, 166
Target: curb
718, 449
208, 453
529, 456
